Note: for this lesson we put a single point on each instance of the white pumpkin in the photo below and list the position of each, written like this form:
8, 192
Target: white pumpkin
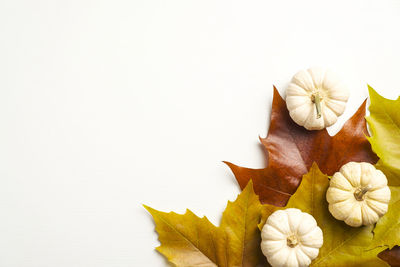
291, 238
315, 98
358, 194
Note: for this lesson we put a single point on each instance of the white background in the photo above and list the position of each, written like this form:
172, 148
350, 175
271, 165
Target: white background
108, 105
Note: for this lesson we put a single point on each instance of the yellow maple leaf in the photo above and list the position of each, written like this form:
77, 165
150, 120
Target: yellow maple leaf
187, 240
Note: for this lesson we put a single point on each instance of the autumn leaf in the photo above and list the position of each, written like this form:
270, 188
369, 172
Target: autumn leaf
384, 123
391, 256
343, 245
239, 223
292, 149
386, 232
187, 240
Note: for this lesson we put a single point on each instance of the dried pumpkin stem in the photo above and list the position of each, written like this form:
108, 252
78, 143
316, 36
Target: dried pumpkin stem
360, 192
292, 241
315, 98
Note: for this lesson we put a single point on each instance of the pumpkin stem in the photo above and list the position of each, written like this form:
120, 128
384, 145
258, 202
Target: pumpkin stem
315, 98
360, 192
292, 241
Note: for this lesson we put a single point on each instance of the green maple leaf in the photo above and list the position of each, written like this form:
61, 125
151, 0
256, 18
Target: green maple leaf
343, 245
386, 232
384, 123
187, 240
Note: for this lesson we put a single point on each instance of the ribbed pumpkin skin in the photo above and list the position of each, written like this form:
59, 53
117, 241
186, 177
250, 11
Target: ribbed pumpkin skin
291, 238
301, 93
358, 194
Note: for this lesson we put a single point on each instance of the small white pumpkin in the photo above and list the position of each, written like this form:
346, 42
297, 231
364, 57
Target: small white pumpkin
358, 194
291, 238
315, 98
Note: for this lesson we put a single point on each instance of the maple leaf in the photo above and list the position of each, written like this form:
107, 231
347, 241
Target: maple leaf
386, 232
292, 149
187, 240
384, 123
391, 256
343, 245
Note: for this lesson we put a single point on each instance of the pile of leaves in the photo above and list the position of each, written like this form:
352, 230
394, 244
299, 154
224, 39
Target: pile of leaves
297, 176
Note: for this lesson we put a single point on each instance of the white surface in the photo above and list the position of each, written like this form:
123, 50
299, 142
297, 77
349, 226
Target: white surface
105, 105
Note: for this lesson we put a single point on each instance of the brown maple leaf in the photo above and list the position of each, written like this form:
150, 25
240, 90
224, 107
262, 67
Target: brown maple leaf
291, 150
391, 256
